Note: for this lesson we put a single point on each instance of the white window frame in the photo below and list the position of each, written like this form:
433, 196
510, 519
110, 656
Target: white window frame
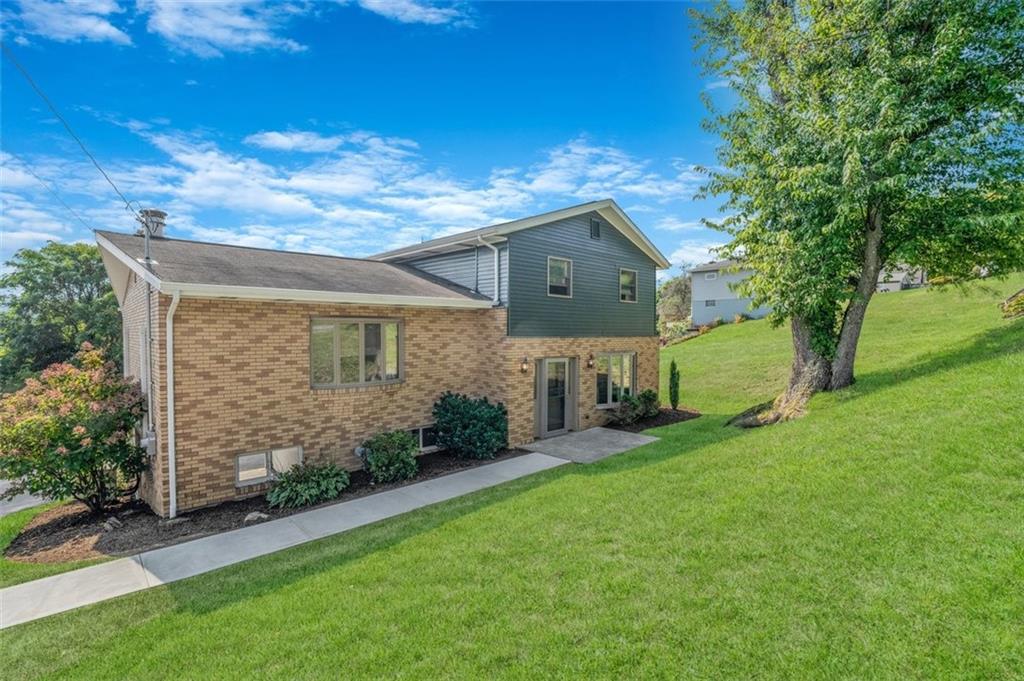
636, 285
361, 322
268, 465
419, 438
710, 276
611, 403
547, 276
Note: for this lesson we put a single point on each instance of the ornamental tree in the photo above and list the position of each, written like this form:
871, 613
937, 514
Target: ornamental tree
69, 433
863, 134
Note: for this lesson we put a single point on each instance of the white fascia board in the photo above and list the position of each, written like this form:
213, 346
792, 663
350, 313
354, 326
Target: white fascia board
618, 218
122, 257
305, 296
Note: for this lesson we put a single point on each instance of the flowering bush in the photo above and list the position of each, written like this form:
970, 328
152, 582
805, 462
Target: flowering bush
69, 433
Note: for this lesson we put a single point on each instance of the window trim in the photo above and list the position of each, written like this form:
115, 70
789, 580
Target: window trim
636, 285
710, 276
610, 404
362, 322
547, 276
419, 437
268, 464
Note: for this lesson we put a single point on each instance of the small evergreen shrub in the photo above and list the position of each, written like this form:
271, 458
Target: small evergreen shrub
391, 456
307, 484
673, 385
629, 411
650, 405
470, 428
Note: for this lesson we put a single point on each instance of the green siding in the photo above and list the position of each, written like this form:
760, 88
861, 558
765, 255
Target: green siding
594, 309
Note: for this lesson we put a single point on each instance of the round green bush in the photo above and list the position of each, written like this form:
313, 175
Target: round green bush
307, 484
470, 428
391, 456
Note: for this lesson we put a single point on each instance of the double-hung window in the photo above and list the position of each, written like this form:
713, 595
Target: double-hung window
627, 286
616, 376
349, 352
559, 277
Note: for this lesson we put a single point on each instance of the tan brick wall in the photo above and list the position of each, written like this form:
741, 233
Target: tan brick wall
518, 389
242, 384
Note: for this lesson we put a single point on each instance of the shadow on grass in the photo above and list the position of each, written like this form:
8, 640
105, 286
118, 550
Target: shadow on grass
992, 344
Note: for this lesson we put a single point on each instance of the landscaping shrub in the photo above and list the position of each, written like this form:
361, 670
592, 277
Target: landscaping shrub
650, 405
470, 428
703, 329
307, 484
391, 456
70, 433
629, 411
673, 385
739, 318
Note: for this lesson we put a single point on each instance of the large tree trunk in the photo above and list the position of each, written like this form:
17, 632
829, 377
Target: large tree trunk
853, 319
811, 371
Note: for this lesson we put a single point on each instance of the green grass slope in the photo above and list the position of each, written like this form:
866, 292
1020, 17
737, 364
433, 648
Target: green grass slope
881, 536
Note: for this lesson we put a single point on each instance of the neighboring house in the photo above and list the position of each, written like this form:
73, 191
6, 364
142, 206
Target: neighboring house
713, 295
254, 360
899, 278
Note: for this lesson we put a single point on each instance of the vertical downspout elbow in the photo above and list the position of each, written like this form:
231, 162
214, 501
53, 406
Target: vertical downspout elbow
497, 273
172, 469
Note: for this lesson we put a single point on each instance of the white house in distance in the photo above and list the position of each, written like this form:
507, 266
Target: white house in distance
712, 294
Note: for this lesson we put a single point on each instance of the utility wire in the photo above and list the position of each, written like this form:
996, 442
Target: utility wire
50, 189
10, 55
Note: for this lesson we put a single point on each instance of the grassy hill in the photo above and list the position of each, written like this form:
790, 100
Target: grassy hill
880, 536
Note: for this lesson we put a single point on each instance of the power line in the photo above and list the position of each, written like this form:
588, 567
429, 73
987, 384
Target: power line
10, 55
51, 190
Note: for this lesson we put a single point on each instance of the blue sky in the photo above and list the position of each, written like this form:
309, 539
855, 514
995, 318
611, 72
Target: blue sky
355, 127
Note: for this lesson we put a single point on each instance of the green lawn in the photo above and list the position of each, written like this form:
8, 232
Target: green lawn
881, 536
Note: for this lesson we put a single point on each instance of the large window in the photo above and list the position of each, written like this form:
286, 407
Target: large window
346, 352
560, 277
627, 286
615, 377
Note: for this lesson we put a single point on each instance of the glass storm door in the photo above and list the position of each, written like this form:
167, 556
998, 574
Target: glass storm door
555, 394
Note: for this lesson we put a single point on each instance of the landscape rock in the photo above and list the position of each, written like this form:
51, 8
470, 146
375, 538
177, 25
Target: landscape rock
111, 524
174, 521
255, 517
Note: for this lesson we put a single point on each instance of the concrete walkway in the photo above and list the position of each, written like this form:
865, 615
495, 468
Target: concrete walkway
42, 597
588, 446
18, 503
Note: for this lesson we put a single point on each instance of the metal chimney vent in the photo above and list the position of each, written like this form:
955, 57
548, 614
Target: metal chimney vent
155, 221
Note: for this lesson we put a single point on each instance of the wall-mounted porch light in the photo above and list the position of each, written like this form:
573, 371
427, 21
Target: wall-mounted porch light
524, 365
590, 361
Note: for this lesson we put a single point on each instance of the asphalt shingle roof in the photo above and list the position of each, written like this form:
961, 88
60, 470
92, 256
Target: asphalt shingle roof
714, 266
196, 262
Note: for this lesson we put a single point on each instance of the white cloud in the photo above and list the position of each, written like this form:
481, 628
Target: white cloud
208, 29
191, 82
415, 12
672, 223
295, 140
68, 21
718, 85
693, 252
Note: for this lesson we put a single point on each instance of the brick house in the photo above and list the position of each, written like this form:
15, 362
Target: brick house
253, 360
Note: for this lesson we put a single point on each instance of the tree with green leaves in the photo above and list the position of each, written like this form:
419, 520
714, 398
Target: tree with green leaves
674, 299
863, 134
673, 385
52, 300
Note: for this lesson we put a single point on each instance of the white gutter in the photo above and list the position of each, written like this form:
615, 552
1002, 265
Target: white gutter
497, 282
172, 469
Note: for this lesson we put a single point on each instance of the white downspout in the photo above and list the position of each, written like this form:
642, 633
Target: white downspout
172, 469
497, 273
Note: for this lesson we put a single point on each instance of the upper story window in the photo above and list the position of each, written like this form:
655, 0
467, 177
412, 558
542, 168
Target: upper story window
709, 303
348, 352
627, 286
710, 276
595, 228
559, 277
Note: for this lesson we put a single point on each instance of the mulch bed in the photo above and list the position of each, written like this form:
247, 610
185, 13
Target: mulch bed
665, 417
70, 532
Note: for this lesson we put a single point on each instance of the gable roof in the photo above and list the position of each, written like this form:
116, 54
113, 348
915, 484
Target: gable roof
200, 269
716, 266
606, 208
